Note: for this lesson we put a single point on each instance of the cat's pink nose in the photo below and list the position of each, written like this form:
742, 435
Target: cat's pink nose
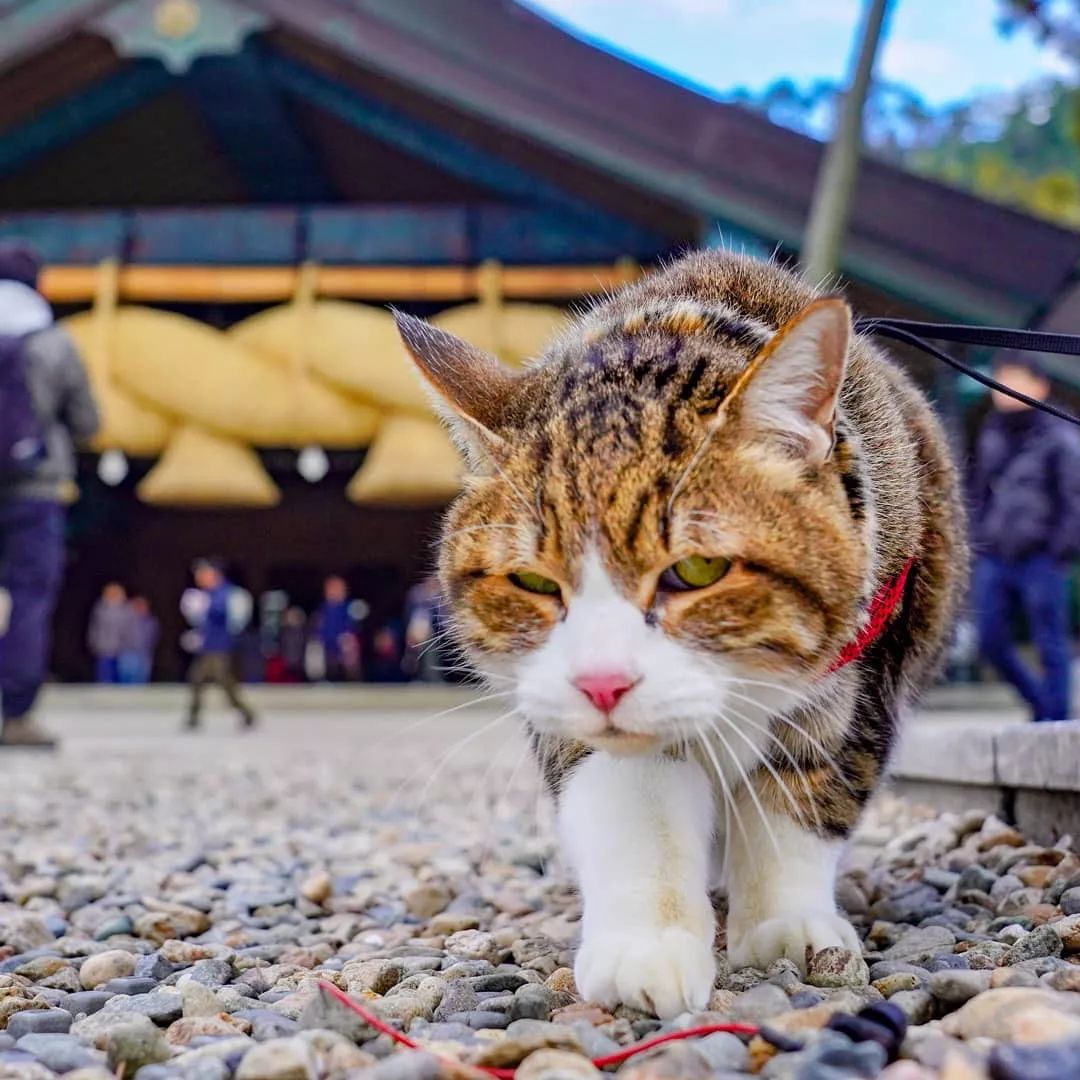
605, 688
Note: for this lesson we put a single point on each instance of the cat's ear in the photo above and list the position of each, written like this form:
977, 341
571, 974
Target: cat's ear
469, 387
790, 390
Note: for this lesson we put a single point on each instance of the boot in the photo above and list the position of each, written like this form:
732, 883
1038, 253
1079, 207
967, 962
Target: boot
24, 731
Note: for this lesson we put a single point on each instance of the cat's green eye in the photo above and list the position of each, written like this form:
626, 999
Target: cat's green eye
695, 572
536, 583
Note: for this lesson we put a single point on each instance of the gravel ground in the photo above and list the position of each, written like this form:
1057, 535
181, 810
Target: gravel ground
167, 906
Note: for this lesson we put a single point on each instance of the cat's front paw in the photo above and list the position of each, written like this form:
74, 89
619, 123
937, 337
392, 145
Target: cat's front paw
796, 936
665, 971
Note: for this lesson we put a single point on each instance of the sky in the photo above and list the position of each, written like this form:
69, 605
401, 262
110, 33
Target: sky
945, 49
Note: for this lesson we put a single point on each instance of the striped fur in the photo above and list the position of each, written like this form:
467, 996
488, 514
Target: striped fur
616, 440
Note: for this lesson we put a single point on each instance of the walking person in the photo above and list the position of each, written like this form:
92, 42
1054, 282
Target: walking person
1026, 529
45, 404
218, 613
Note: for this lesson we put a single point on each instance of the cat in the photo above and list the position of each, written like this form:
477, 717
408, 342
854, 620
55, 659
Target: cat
671, 526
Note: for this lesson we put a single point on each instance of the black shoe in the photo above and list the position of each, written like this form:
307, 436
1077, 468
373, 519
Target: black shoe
248, 721
192, 723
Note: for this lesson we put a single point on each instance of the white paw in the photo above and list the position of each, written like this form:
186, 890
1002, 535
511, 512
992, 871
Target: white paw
663, 971
796, 936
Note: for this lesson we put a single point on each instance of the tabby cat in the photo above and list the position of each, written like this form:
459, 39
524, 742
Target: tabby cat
673, 523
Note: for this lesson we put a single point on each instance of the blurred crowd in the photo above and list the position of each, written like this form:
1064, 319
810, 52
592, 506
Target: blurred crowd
275, 640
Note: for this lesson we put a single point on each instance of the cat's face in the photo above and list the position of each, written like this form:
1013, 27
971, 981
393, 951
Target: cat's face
654, 538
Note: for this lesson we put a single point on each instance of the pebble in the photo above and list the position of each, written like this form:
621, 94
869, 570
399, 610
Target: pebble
556, 1065
1042, 941
130, 985
463, 932
954, 988
278, 1059
160, 1006
1054, 1061
835, 967
104, 966
132, 1045
39, 1022
473, 945
85, 1002
59, 1052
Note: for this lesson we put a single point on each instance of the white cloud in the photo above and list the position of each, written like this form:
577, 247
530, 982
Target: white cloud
916, 62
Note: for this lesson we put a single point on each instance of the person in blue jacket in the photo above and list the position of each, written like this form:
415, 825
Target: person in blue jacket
218, 612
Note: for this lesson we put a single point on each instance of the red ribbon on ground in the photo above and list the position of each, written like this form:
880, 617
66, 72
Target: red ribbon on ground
507, 1074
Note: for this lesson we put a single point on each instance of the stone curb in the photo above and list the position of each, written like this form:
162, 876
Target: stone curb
1027, 773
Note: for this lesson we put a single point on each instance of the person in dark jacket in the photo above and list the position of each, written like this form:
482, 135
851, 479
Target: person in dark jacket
1026, 528
218, 612
32, 502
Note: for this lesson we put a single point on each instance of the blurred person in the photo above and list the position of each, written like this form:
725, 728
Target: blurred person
1026, 528
423, 658
335, 629
45, 405
385, 663
218, 612
292, 644
110, 626
141, 632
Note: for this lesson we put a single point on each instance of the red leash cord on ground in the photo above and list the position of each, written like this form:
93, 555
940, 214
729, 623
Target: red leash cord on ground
507, 1074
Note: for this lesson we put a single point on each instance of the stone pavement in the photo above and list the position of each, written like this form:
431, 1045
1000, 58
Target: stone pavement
169, 901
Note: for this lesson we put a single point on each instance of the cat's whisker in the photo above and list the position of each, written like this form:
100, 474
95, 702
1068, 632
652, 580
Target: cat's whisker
750, 789
730, 809
763, 760
795, 766
451, 753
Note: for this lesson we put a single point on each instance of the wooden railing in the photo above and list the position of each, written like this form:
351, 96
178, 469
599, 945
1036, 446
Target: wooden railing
272, 284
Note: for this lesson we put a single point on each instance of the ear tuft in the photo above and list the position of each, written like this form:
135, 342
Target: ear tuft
470, 388
790, 391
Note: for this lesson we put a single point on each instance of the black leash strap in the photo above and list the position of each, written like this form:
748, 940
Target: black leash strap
914, 333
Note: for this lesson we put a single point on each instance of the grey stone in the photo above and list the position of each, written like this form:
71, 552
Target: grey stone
481, 1019
130, 985
86, 1001
976, 877
416, 1066
267, 1024
916, 1005
921, 944
327, 1013
1053, 1061
160, 1006
1070, 901
939, 879
212, 973
121, 924
1042, 941
60, 1052
760, 1003
723, 1051
39, 1022
153, 966
133, 1045
498, 981
537, 1002
953, 988
458, 997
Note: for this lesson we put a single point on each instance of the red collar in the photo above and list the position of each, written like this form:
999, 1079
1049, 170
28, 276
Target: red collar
886, 600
